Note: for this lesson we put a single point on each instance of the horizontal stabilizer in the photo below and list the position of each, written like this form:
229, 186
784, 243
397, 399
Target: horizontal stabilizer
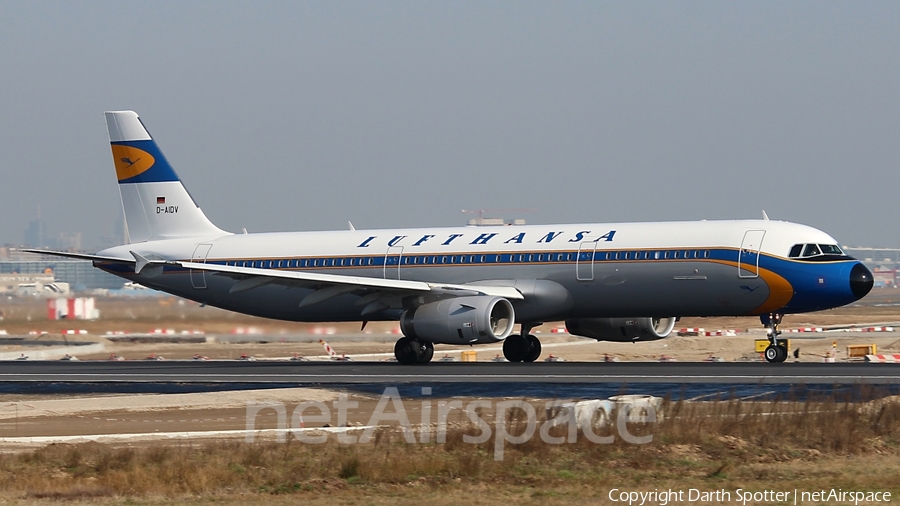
79, 256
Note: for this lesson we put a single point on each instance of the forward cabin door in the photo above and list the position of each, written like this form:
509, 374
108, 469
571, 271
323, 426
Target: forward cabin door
198, 278
748, 257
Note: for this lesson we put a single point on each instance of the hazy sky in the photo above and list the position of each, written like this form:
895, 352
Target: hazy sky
303, 115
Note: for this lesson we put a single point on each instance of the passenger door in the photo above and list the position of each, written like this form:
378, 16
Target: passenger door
584, 262
198, 278
392, 260
748, 257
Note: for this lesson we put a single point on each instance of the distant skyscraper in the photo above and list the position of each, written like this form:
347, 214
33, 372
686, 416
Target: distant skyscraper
35, 234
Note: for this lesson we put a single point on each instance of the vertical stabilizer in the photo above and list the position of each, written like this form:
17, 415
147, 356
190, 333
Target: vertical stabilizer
156, 204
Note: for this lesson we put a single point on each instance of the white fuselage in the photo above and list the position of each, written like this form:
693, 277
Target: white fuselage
566, 271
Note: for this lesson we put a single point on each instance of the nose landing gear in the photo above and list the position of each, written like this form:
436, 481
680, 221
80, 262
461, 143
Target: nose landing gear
776, 352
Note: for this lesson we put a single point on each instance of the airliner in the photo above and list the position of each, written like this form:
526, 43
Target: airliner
621, 282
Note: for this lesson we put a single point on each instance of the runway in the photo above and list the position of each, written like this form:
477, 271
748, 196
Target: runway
261, 373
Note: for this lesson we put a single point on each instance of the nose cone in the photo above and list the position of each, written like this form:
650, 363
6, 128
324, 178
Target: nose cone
861, 281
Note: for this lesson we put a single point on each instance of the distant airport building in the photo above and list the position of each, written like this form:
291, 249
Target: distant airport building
32, 285
883, 262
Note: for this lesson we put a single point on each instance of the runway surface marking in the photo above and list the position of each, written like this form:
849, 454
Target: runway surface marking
171, 435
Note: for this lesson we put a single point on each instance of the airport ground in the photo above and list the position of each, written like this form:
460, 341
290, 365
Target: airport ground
851, 443
227, 335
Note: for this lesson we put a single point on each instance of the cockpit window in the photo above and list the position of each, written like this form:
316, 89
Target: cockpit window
815, 250
811, 250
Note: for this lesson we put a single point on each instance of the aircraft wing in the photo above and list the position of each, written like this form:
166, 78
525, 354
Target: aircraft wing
326, 285
334, 284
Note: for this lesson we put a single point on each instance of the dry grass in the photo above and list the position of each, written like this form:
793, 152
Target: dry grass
724, 444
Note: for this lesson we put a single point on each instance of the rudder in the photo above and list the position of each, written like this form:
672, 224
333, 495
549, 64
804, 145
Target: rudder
156, 203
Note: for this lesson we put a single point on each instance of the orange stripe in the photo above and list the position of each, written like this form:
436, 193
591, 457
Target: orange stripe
780, 289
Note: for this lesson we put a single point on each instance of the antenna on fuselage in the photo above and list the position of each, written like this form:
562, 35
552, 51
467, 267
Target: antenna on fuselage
765, 216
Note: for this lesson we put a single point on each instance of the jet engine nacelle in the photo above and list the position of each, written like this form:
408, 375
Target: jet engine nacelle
460, 320
623, 330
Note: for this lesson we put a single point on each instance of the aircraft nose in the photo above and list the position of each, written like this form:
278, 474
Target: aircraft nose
861, 280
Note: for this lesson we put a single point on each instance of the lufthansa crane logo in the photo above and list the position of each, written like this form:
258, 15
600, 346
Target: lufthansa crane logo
130, 161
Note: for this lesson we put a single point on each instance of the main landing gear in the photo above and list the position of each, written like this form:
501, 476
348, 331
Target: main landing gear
412, 351
522, 347
775, 351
